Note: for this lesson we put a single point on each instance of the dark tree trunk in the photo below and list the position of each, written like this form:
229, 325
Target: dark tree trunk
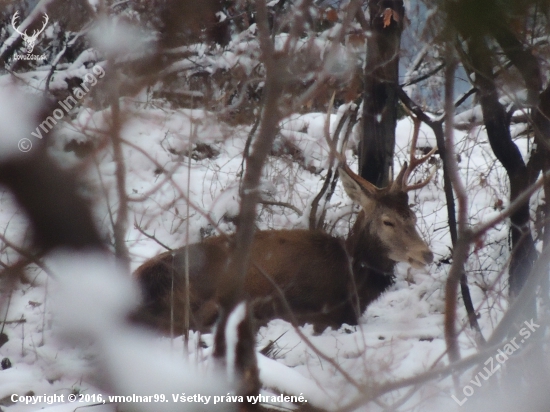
380, 94
541, 158
506, 151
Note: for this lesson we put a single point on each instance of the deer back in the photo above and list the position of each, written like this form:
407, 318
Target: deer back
309, 270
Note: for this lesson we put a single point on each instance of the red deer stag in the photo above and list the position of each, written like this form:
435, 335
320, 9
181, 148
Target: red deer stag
324, 280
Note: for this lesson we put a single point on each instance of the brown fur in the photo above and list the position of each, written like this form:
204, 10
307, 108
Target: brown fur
325, 281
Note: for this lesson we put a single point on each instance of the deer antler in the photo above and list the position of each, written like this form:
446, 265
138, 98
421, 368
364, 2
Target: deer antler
35, 33
414, 162
14, 22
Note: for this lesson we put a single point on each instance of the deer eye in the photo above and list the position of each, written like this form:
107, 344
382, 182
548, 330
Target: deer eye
388, 223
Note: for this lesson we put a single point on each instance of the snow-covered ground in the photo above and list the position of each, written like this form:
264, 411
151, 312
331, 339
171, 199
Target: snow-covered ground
400, 335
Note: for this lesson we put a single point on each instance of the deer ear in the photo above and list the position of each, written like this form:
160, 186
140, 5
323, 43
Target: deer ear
358, 189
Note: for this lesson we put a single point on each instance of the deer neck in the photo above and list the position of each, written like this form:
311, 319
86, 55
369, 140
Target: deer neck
367, 249
372, 268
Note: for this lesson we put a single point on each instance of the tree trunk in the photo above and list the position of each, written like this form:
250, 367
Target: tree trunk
506, 151
380, 94
540, 160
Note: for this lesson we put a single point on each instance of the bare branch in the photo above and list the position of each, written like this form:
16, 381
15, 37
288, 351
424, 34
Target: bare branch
121, 223
282, 204
460, 253
517, 203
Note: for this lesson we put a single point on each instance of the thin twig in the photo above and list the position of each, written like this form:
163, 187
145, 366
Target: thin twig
152, 237
282, 204
297, 329
517, 203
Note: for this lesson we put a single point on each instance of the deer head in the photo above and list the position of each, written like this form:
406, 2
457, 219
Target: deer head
386, 215
29, 40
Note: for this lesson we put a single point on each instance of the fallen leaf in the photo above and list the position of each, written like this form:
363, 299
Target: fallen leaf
332, 15
386, 16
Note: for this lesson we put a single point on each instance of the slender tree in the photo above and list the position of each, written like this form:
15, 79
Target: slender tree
380, 90
493, 24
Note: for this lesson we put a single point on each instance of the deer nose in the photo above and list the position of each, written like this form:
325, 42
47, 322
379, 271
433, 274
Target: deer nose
428, 257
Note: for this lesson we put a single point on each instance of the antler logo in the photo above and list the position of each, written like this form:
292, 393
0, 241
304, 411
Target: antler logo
29, 40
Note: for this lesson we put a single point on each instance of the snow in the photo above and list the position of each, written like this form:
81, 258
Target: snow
85, 308
74, 314
16, 108
82, 304
88, 55
276, 376
232, 337
128, 38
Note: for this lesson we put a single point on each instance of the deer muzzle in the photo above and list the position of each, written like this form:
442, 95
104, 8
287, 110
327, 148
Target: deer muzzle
419, 259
